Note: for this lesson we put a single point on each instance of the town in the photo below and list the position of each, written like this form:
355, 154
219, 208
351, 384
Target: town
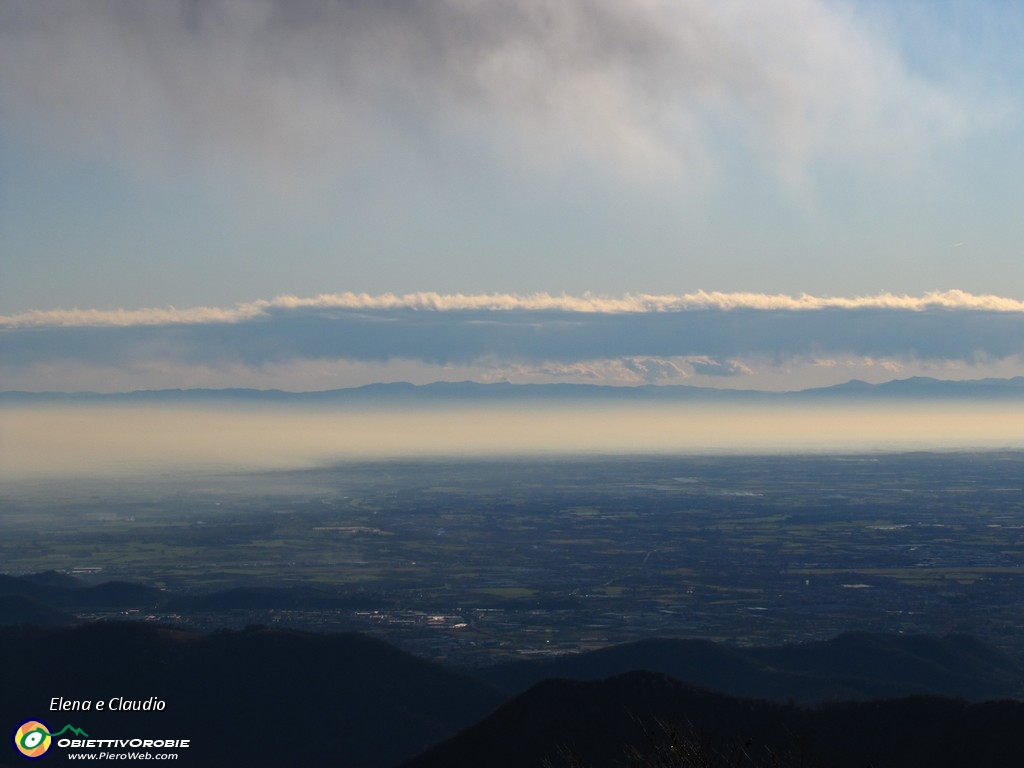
473, 562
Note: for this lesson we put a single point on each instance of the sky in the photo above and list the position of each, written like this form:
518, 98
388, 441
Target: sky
309, 194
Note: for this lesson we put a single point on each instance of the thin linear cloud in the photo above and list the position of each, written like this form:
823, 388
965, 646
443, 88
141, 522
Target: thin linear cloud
426, 300
651, 338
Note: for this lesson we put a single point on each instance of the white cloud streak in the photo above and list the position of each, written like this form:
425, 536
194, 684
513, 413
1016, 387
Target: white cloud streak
505, 302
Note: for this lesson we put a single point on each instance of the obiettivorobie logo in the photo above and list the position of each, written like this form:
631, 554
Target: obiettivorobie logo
33, 738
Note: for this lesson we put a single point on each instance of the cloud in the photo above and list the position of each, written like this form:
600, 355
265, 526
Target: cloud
633, 339
294, 89
507, 302
706, 366
626, 370
652, 370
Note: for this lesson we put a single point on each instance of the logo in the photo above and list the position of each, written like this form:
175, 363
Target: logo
33, 738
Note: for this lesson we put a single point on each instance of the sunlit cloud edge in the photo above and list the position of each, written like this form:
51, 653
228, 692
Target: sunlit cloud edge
636, 303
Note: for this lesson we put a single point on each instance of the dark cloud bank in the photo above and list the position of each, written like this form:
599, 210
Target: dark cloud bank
525, 336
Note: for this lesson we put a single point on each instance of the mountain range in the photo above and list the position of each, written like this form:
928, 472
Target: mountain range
918, 387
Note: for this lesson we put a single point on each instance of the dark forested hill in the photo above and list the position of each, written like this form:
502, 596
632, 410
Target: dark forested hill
278, 697
67, 593
648, 719
253, 697
851, 666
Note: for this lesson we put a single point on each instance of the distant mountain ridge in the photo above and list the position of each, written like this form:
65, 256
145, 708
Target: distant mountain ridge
917, 387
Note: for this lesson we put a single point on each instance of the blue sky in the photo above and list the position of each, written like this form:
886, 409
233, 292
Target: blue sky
158, 155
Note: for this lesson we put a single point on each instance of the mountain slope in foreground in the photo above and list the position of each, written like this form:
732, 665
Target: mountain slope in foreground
253, 697
649, 719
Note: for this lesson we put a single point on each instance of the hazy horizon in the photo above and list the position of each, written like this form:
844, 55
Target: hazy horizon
70, 440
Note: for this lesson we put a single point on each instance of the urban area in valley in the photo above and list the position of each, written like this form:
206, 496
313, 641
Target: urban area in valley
476, 561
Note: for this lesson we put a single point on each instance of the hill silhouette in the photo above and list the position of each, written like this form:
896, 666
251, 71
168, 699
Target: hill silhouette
18, 609
254, 697
279, 598
854, 665
53, 579
55, 592
277, 696
916, 387
650, 719
264, 696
